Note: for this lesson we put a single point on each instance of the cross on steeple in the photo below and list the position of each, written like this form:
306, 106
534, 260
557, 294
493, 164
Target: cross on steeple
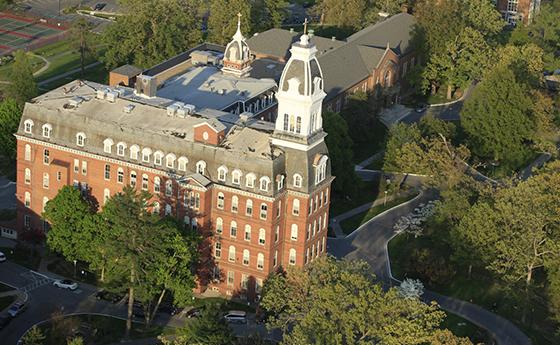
305, 26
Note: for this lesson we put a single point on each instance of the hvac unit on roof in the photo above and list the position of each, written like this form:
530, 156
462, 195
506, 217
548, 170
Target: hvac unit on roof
181, 112
75, 101
172, 109
101, 94
112, 96
128, 108
190, 108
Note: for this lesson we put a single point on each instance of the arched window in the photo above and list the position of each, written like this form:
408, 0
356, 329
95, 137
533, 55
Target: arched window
292, 257
27, 176
294, 232
250, 180
146, 153
387, 79
134, 149
156, 207
27, 199
158, 158
219, 225
144, 182
310, 205
247, 232
107, 145
231, 254
264, 211
295, 207
298, 180
170, 161
280, 181
262, 236
45, 201
47, 130
249, 208
27, 152
298, 125
220, 201
320, 220
264, 183
106, 195
292, 123
236, 176
246, 257
234, 203
286, 121
222, 173
169, 188
133, 179
201, 167
260, 261
28, 126
121, 148
157, 184
46, 180
218, 250
233, 229
182, 161
325, 220
81, 139
168, 210
321, 169
120, 175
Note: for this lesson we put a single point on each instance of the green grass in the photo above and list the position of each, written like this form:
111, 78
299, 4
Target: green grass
6, 301
6, 69
351, 224
225, 304
463, 328
66, 269
97, 74
482, 288
22, 256
366, 192
441, 96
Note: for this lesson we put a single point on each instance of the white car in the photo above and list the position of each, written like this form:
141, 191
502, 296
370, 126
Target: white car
66, 284
2, 257
236, 316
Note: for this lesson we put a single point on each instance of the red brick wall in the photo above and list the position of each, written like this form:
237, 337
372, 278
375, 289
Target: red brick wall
214, 138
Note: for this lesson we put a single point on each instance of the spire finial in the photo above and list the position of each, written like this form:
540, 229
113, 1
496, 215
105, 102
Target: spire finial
305, 26
239, 15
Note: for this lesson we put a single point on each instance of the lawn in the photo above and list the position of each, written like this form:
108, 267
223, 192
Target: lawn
66, 269
22, 256
94, 329
6, 301
6, 69
97, 74
225, 304
482, 288
441, 96
365, 192
351, 224
463, 328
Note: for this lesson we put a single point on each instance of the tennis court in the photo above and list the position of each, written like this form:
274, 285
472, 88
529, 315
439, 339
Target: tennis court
23, 33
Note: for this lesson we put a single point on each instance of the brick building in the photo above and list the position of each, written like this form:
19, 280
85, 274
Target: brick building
518, 11
259, 188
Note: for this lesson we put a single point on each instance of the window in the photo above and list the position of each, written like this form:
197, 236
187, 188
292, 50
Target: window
233, 229
260, 261
222, 173
275, 259
262, 236
278, 209
236, 177
47, 130
220, 202
218, 250
170, 161
27, 176
321, 170
121, 147
319, 227
280, 181
246, 257
106, 195
197, 201
107, 145
250, 180
144, 182
134, 149
307, 256
169, 188
219, 225
80, 139
264, 211
46, 181
46, 157
84, 168
314, 227
310, 206
286, 121
325, 220
158, 158
318, 247
316, 203
157, 184
58, 175
247, 232
264, 183
27, 221
298, 180
258, 285
249, 208
107, 174
308, 235
244, 281
295, 207
27, 199
298, 125
45, 201
230, 278
231, 254
28, 126
234, 204
324, 245
292, 256
321, 200
133, 178
168, 210
156, 207
120, 175
146, 153
76, 166
277, 233
27, 152
294, 232
182, 161
201, 167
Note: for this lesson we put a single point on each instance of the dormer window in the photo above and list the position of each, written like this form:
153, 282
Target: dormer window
47, 129
298, 180
201, 167
222, 173
134, 149
80, 139
264, 183
121, 147
107, 145
158, 158
28, 126
280, 181
146, 153
321, 169
250, 180
236, 176
183, 161
170, 161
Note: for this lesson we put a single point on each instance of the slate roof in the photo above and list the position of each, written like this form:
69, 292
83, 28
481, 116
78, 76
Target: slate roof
128, 70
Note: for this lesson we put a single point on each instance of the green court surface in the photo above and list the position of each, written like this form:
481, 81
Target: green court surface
17, 32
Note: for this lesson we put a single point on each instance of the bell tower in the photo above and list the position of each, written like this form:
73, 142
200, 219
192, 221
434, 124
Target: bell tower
237, 56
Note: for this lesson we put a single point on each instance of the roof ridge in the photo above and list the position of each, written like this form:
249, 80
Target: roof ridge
371, 27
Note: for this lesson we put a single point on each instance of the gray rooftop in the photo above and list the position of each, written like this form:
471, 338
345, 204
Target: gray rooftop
128, 70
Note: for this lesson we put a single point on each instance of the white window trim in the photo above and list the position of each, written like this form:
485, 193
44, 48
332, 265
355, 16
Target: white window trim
122, 146
81, 139
222, 173
158, 158
108, 145
48, 129
250, 179
27, 123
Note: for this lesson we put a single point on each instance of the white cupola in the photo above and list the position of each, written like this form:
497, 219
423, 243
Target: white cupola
300, 92
237, 56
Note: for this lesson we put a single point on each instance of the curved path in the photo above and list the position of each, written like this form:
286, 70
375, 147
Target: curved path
369, 243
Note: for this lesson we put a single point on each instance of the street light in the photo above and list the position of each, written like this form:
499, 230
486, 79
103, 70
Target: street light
385, 201
75, 262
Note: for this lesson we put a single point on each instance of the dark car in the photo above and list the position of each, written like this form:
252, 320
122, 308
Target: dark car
169, 309
4, 320
421, 108
194, 312
17, 309
108, 296
99, 6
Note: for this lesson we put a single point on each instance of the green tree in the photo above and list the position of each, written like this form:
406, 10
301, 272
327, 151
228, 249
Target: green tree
267, 14
34, 337
343, 13
82, 38
208, 329
497, 118
22, 85
339, 144
526, 62
339, 302
222, 22
151, 31
10, 115
76, 341
399, 135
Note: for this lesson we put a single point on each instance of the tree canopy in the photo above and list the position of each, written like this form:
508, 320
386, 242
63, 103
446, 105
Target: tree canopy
339, 144
10, 115
22, 84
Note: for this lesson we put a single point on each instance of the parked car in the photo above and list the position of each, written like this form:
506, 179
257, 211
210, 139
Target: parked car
421, 108
4, 320
169, 309
194, 312
236, 316
17, 309
2, 257
66, 284
99, 6
108, 296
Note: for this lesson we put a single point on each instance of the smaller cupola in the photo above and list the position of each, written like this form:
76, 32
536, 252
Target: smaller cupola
237, 56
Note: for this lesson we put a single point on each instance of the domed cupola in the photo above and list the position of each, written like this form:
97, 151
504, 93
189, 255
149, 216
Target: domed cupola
237, 56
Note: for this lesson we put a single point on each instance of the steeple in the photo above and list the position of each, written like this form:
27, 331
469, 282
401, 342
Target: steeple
300, 96
237, 56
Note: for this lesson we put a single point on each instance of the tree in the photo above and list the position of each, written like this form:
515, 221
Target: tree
445, 337
267, 14
411, 288
497, 118
399, 135
34, 337
526, 62
222, 22
338, 302
343, 13
76, 341
208, 329
10, 115
151, 31
340, 151
22, 85
81, 34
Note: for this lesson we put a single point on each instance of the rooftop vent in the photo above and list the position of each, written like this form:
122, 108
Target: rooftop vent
101, 94
129, 108
333, 38
291, 29
75, 101
174, 108
112, 96
190, 108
